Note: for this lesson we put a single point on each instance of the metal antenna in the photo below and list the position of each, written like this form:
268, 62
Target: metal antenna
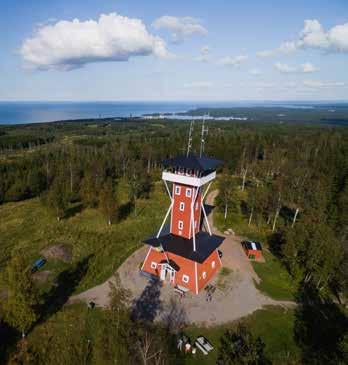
204, 131
189, 144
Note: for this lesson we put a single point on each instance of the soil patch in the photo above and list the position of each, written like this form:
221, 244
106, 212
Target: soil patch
42, 276
61, 252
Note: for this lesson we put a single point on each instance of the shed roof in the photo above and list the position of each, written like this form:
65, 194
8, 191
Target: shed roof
193, 162
205, 245
251, 245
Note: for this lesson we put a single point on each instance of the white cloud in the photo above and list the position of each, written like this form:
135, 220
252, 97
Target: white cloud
314, 36
180, 28
198, 85
318, 84
284, 68
72, 44
287, 47
205, 50
255, 72
266, 53
304, 68
204, 56
308, 68
234, 61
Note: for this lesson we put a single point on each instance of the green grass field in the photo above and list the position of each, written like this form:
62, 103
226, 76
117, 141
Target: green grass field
276, 282
274, 325
29, 227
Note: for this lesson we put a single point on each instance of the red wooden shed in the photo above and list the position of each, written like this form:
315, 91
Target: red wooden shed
252, 249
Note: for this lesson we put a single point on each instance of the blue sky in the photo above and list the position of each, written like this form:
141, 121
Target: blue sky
174, 50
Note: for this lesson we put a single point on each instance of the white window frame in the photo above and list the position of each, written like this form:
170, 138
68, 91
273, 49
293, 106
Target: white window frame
204, 274
180, 225
153, 265
177, 190
213, 264
182, 206
185, 278
188, 192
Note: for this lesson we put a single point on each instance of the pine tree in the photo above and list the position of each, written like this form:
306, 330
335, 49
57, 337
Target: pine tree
57, 198
240, 347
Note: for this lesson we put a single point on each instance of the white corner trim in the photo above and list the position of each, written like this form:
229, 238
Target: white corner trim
196, 277
188, 180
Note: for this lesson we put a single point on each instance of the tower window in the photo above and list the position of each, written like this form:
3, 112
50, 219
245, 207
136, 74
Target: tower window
182, 206
153, 265
213, 264
196, 205
204, 274
177, 190
185, 278
188, 192
180, 224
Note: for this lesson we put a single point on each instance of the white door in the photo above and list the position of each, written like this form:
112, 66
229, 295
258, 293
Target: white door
163, 272
172, 275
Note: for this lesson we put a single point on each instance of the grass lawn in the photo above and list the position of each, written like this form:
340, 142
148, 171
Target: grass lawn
27, 226
274, 325
276, 282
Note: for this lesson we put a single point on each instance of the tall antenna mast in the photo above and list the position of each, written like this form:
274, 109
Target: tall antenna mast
189, 144
204, 131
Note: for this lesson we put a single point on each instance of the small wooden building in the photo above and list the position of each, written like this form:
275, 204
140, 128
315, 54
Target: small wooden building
252, 249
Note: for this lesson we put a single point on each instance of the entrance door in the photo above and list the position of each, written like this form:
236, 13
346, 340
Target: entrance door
163, 272
167, 269
171, 275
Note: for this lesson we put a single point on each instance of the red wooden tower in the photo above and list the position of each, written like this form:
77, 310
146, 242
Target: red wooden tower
184, 255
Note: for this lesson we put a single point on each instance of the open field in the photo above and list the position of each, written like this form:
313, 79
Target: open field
28, 227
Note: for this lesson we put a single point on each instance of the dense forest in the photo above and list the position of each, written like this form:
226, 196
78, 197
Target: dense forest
286, 183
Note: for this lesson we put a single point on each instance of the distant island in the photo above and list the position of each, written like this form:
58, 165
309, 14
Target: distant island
334, 114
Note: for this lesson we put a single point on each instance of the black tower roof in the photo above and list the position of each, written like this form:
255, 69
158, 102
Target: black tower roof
193, 162
205, 245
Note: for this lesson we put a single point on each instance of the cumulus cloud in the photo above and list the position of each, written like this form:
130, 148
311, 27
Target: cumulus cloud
198, 85
314, 36
72, 44
234, 61
180, 28
304, 68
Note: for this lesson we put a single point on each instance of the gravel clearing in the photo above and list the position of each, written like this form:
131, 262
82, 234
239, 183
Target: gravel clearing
236, 298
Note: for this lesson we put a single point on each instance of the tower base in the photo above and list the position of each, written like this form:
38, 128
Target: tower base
179, 271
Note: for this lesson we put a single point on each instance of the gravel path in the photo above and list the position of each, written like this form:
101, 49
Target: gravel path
237, 298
